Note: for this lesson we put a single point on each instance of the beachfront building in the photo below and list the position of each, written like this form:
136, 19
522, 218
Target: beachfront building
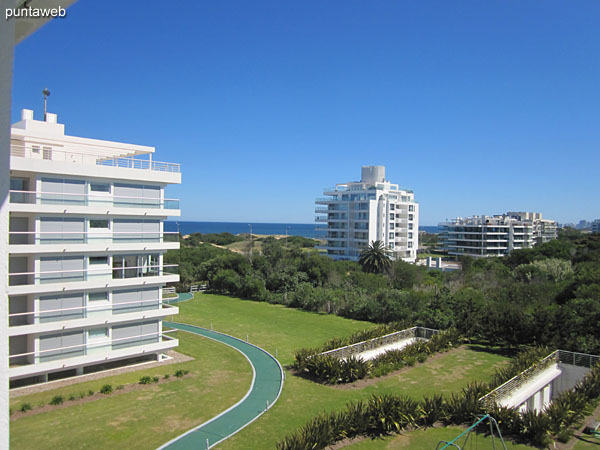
485, 236
356, 213
86, 246
596, 226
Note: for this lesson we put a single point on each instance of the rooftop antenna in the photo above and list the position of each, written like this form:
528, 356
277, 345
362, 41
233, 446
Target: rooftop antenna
46, 93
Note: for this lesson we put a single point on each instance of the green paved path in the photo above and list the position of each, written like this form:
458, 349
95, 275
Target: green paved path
180, 298
266, 386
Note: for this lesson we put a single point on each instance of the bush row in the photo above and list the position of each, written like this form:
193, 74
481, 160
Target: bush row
385, 414
329, 369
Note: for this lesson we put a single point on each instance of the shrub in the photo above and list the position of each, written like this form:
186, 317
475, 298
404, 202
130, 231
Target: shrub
90, 392
106, 389
432, 409
72, 397
25, 407
166, 376
179, 373
145, 380
81, 395
155, 379
410, 361
119, 387
57, 400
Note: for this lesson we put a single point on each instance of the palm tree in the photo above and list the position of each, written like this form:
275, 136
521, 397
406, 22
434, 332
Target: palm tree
375, 259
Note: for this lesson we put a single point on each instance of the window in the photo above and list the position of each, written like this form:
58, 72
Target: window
100, 187
391, 245
98, 260
391, 235
410, 245
97, 296
411, 207
392, 207
410, 217
99, 223
47, 153
98, 333
410, 235
391, 226
410, 226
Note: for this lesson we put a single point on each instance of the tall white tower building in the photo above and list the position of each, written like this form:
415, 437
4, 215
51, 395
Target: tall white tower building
86, 245
355, 213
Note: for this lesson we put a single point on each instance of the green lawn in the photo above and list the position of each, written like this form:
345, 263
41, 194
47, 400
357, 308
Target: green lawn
146, 418
429, 438
141, 419
276, 327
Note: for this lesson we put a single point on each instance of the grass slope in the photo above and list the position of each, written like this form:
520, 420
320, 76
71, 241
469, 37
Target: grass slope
141, 419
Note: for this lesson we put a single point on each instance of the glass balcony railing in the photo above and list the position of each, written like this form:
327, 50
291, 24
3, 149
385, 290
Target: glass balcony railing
89, 237
104, 273
119, 201
71, 351
88, 311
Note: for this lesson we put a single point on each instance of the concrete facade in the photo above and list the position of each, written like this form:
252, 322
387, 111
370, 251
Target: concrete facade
373, 209
86, 245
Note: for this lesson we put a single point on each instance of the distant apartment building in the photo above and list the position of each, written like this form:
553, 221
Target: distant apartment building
485, 236
356, 213
86, 246
596, 226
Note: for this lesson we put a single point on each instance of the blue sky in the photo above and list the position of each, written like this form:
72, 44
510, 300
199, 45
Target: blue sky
479, 107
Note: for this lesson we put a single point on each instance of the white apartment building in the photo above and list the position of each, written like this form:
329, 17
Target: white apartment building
485, 236
356, 213
86, 246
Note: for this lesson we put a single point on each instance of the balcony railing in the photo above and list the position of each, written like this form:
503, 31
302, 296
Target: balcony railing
53, 154
62, 276
84, 199
82, 312
90, 237
72, 351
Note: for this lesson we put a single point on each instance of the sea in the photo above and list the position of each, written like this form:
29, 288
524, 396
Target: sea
293, 229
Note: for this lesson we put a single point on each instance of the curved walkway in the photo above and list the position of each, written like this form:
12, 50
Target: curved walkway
180, 298
267, 382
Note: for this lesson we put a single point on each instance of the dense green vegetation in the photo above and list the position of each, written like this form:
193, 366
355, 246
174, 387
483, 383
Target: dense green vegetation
547, 295
195, 239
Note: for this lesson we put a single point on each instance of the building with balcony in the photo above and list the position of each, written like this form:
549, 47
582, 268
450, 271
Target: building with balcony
596, 226
485, 236
86, 246
356, 213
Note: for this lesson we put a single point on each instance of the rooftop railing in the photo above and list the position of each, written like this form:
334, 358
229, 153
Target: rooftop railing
85, 199
128, 162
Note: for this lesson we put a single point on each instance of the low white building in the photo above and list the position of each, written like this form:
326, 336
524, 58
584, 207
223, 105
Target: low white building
356, 213
86, 246
485, 236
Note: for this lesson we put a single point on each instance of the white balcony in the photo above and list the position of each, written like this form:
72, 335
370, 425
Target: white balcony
87, 316
27, 364
53, 202
40, 282
38, 242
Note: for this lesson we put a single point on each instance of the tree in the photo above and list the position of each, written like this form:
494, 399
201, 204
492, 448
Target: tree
375, 259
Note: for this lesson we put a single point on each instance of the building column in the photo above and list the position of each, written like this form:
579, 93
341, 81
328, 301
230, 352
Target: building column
7, 44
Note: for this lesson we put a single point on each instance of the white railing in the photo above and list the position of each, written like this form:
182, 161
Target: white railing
557, 356
85, 199
129, 162
85, 347
148, 270
84, 237
112, 307
359, 347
